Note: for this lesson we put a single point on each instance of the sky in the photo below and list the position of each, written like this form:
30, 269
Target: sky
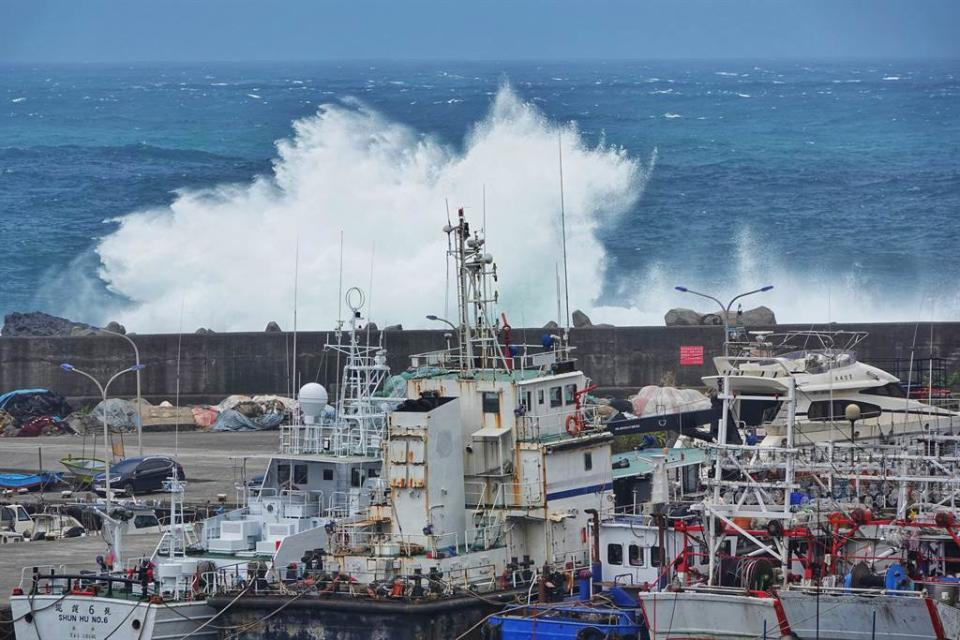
249, 30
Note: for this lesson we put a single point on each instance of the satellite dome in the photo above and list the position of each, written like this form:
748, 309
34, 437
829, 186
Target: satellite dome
313, 400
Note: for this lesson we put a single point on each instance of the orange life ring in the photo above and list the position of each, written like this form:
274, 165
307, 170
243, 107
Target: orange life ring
574, 424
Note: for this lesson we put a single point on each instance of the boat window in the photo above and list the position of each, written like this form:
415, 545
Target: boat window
889, 390
22, 514
283, 473
301, 474
704, 556
588, 461
328, 474
820, 410
654, 556
6, 515
528, 403
145, 520
569, 393
614, 554
635, 555
373, 473
539, 396
491, 402
556, 399
356, 477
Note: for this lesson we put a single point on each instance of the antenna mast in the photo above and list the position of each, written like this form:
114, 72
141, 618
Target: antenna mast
563, 233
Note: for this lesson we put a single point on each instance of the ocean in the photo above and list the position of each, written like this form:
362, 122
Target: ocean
179, 196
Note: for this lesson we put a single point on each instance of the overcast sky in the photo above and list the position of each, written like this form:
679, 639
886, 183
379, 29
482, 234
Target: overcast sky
182, 30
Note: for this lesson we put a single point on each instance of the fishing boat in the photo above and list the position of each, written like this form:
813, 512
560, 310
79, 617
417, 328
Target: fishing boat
840, 539
492, 464
329, 458
29, 481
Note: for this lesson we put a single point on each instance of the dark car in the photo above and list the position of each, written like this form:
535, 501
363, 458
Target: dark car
139, 475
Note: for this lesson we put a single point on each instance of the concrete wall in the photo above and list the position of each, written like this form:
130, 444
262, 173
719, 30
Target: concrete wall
618, 359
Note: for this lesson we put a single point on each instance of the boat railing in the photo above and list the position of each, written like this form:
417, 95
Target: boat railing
491, 493
529, 357
486, 536
30, 576
346, 540
347, 437
338, 505
844, 591
558, 425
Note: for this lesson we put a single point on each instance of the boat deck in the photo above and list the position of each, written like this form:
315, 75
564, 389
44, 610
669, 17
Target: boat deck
75, 552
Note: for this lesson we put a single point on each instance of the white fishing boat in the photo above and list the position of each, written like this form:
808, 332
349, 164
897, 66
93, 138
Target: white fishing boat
493, 465
327, 461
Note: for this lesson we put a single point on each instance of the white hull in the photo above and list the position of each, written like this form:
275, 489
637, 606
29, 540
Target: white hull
851, 617
48, 617
696, 614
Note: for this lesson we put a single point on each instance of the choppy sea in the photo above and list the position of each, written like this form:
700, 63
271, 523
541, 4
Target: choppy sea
177, 195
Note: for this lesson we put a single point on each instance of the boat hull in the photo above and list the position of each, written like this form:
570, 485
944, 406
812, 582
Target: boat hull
697, 614
355, 618
47, 616
861, 617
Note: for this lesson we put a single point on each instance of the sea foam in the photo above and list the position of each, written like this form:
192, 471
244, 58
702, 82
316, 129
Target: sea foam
228, 253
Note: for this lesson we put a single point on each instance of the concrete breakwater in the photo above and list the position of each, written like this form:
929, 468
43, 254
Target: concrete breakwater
618, 359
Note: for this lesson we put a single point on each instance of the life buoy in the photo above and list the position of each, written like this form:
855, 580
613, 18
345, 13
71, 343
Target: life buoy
574, 424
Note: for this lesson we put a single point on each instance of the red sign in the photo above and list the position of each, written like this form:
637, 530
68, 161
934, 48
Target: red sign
691, 355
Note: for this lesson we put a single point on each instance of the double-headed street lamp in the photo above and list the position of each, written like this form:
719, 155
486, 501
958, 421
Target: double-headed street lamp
106, 431
725, 309
136, 355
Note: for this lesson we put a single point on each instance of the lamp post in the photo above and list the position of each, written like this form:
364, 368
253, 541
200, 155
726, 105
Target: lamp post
447, 336
439, 319
106, 431
136, 355
725, 309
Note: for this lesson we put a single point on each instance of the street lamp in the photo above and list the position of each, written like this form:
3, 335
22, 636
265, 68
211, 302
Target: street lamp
106, 431
439, 319
726, 309
136, 355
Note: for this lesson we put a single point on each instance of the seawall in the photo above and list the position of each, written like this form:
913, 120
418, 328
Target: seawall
618, 359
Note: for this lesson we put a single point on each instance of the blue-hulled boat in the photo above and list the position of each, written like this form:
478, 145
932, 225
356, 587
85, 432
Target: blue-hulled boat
612, 615
29, 481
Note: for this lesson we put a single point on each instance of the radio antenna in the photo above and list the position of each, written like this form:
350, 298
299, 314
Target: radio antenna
563, 234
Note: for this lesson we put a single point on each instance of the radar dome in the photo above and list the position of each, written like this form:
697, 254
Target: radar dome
313, 400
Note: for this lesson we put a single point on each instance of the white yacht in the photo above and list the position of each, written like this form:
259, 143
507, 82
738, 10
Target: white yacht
839, 398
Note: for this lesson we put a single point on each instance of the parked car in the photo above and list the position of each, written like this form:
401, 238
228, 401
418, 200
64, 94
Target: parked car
139, 475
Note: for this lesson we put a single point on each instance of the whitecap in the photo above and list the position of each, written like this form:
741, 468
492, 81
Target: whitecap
219, 84
744, 95
20, 99
727, 74
454, 100
254, 96
891, 77
671, 116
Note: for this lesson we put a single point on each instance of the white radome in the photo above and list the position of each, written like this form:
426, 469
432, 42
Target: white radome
313, 400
